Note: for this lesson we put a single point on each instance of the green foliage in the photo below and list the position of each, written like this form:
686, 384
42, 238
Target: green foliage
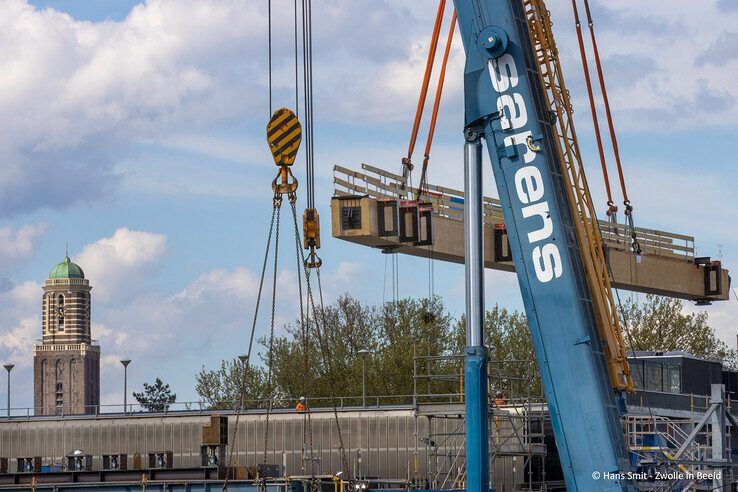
155, 397
412, 328
512, 363
219, 388
419, 336
661, 324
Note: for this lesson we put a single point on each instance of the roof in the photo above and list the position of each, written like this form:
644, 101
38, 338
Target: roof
67, 269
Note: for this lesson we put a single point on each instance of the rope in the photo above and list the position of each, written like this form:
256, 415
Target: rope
436, 104
307, 75
407, 165
593, 108
297, 83
269, 42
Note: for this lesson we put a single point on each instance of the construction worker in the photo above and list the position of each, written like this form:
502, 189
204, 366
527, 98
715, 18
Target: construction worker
300, 407
500, 398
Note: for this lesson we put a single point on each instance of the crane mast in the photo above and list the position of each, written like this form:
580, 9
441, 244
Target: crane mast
516, 102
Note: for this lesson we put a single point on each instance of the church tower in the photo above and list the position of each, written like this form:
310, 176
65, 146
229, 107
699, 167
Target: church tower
66, 363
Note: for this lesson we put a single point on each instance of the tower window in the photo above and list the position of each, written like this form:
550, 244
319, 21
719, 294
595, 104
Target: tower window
60, 311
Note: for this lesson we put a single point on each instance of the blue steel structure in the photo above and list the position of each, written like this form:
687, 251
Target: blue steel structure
504, 105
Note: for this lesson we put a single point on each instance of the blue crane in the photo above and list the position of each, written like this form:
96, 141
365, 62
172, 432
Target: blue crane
515, 101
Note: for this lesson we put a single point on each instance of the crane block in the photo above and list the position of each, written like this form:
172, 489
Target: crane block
284, 134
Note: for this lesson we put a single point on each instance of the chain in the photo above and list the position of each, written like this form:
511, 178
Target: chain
304, 330
323, 348
239, 402
341, 447
270, 371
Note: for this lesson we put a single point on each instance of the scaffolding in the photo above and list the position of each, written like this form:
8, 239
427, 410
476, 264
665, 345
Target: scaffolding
519, 426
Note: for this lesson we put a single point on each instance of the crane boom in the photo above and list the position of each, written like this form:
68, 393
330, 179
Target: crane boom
512, 103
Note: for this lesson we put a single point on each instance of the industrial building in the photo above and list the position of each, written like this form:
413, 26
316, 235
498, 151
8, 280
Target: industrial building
416, 444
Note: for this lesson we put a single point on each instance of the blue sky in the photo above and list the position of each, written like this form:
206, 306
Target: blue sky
135, 133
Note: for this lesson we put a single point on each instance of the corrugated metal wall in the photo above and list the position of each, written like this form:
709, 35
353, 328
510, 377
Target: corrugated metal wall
386, 438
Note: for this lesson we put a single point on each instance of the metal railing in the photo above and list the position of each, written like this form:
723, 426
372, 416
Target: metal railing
201, 407
449, 203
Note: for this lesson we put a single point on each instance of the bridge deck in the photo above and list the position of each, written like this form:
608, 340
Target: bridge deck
367, 204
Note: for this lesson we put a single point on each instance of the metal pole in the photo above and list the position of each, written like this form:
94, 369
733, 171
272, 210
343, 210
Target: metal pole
363, 381
125, 363
244, 366
475, 356
717, 425
363, 353
473, 243
9, 367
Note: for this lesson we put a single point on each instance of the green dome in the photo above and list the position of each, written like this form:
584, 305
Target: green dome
67, 269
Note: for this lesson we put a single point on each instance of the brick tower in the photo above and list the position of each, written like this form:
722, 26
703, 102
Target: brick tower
66, 364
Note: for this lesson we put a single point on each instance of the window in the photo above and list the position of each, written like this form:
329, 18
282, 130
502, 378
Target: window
653, 378
59, 387
672, 378
350, 218
636, 371
60, 311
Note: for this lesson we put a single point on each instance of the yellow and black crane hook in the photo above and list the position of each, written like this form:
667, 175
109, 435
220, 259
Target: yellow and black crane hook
284, 134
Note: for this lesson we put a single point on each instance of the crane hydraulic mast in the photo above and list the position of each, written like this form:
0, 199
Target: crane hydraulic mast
515, 100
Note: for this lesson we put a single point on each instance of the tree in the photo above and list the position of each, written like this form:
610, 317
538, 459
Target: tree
512, 362
155, 397
660, 324
413, 333
220, 388
327, 362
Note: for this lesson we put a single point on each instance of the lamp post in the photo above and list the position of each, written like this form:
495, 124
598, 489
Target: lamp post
9, 367
363, 353
245, 363
125, 363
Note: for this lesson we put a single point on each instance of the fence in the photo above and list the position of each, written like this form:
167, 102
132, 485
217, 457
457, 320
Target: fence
449, 203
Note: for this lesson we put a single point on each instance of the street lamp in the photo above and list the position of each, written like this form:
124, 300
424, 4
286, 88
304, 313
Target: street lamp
245, 362
363, 353
9, 367
125, 363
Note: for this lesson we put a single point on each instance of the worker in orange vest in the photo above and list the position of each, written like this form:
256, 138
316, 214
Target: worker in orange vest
500, 398
300, 407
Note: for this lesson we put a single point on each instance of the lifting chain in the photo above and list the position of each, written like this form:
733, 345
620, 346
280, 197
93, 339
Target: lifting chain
635, 245
270, 360
323, 346
276, 204
305, 336
284, 134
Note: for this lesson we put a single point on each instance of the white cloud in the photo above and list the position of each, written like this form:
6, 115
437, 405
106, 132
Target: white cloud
17, 246
117, 264
80, 98
20, 324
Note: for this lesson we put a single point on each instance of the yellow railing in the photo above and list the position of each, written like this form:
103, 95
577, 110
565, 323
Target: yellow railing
587, 227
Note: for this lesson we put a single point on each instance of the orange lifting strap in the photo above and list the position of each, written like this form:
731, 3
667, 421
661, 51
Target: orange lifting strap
407, 165
613, 137
436, 104
593, 108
